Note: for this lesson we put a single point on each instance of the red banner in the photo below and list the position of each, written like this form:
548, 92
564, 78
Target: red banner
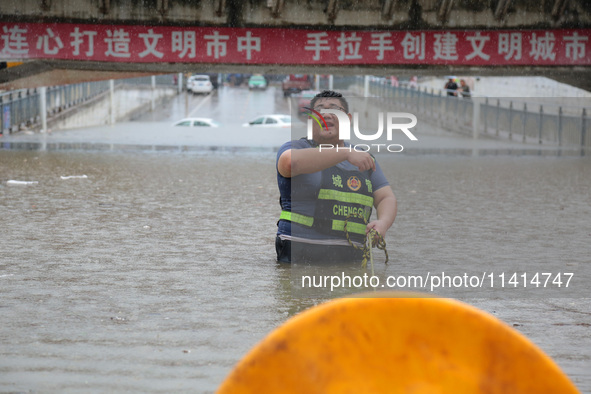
145, 44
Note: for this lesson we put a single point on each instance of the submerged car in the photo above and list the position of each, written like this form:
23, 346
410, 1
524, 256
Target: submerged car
257, 82
274, 120
199, 84
197, 122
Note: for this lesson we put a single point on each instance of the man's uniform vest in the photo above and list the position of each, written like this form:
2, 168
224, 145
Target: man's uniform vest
343, 196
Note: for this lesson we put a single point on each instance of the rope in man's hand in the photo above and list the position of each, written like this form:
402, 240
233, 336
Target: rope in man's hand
369, 242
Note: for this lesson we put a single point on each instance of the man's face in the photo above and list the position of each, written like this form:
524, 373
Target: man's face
329, 133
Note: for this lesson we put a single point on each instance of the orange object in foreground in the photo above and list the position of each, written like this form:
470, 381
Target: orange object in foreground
396, 345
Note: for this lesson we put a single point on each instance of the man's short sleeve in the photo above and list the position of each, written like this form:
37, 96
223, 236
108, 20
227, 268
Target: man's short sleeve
283, 148
295, 144
378, 179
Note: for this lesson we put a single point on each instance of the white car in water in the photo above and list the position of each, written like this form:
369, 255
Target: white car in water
199, 84
197, 122
274, 120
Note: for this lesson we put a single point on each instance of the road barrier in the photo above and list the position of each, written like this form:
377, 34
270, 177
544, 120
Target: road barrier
21, 109
541, 120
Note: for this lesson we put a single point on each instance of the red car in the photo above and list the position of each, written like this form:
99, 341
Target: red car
296, 83
303, 99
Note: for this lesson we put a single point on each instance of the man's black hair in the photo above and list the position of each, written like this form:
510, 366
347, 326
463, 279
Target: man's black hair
330, 94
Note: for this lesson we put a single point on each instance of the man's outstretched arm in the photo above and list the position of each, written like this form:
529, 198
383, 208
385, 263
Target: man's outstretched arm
294, 162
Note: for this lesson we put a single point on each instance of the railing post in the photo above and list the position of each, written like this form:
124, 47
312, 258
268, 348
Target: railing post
153, 101
583, 128
442, 106
524, 119
510, 120
559, 126
457, 110
112, 102
5, 105
498, 114
431, 101
63, 100
1, 115
485, 116
43, 107
419, 95
475, 118
541, 124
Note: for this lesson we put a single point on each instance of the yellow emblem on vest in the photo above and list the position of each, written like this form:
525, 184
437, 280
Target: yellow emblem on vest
354, 183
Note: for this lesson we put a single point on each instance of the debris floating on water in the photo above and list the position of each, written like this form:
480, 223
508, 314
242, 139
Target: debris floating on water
13, 182
74, 177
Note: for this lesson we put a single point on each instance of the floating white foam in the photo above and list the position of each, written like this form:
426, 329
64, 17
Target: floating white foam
74, 177
13, 182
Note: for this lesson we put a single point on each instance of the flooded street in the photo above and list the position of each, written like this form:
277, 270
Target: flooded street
156, 272
151, 275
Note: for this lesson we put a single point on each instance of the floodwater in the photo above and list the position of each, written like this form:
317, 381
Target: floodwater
155, 273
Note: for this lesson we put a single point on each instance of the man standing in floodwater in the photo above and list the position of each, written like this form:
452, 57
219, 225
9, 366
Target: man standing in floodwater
325, 191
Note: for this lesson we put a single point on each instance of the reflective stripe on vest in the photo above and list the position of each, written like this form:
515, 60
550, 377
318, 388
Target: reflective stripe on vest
338, 225
352, 227
297, 218
328, 194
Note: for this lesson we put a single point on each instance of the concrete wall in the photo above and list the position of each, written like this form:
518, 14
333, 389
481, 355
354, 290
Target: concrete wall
128, 103
397, 14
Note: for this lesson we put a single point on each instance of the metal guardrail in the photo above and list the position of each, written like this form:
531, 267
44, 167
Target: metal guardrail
544, 123
535, 120
161, 80
21, 108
